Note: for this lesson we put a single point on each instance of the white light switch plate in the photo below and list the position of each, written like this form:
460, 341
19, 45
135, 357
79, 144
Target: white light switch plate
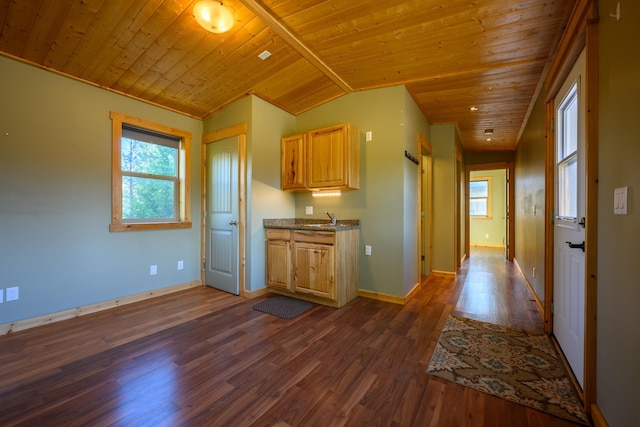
620, 201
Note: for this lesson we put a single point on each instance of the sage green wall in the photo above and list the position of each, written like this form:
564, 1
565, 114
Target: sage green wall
386, 202
266, 124
267, 200
497, 225
618, 347
240, 112
55, 198
379, 202
529, 198
443, 142
414, 123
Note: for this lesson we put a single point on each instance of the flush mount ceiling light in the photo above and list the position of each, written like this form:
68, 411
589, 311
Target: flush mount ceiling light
213, 16
473, 108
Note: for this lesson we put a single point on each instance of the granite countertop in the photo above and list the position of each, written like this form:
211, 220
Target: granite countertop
311, 224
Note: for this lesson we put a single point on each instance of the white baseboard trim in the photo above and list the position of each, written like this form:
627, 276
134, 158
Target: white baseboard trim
46, 319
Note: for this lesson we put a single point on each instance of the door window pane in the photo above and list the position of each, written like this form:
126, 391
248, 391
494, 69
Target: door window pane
568, 188
567, 155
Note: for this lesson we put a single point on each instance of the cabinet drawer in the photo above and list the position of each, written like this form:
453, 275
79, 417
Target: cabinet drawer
322, 237
278, 234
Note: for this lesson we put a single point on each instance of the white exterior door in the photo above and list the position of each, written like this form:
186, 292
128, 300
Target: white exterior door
221, 258
570, 222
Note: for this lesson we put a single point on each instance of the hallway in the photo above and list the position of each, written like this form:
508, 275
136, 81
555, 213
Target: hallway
493, 291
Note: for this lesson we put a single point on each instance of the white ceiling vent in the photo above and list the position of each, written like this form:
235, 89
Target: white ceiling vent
264, 55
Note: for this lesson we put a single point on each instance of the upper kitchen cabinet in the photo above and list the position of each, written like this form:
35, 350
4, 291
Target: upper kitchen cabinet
332, 159
292, 170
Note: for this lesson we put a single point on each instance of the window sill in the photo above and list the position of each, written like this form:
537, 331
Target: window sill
149, 226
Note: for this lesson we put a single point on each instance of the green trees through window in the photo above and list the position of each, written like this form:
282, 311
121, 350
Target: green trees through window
150, 175
149, 178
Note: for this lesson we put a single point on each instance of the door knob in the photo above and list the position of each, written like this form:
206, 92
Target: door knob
233, 222
576, 245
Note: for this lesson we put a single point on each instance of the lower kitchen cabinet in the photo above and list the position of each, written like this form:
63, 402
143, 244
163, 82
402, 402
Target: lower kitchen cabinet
319, 266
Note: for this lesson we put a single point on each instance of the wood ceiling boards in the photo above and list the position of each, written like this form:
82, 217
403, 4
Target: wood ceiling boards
450, 54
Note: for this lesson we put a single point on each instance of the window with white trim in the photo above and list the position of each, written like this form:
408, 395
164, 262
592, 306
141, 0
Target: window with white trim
150, 175
480, 198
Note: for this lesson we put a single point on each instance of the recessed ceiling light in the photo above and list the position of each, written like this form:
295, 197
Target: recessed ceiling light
473, 108
264, 55
488, 131
488, 139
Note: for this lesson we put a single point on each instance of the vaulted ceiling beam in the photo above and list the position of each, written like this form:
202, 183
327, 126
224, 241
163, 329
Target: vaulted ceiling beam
273, 23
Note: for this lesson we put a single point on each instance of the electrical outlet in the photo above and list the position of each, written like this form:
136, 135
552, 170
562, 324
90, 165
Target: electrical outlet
369, 136
13, 294
308, 210
153, 270
367, 250
534, 272
486, 236
180, 265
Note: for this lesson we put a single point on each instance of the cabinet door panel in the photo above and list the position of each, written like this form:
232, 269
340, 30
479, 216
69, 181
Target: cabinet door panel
293, 167
278, 264
326, 164
314, 267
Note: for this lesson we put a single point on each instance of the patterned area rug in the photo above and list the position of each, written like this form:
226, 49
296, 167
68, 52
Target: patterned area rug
516, 365
282, 306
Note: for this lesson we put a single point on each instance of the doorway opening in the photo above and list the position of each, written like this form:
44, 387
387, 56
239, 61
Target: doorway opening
425, 209
490, 223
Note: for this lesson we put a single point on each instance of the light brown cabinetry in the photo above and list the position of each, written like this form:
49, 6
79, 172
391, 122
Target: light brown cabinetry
331, 159
293, 167
279, 259
322, 265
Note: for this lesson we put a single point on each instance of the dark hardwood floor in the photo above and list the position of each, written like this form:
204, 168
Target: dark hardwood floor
205, 358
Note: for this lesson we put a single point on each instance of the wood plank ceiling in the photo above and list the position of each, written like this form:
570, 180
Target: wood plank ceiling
450, 54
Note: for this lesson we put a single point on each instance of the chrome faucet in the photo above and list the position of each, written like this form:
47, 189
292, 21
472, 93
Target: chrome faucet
331, 215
